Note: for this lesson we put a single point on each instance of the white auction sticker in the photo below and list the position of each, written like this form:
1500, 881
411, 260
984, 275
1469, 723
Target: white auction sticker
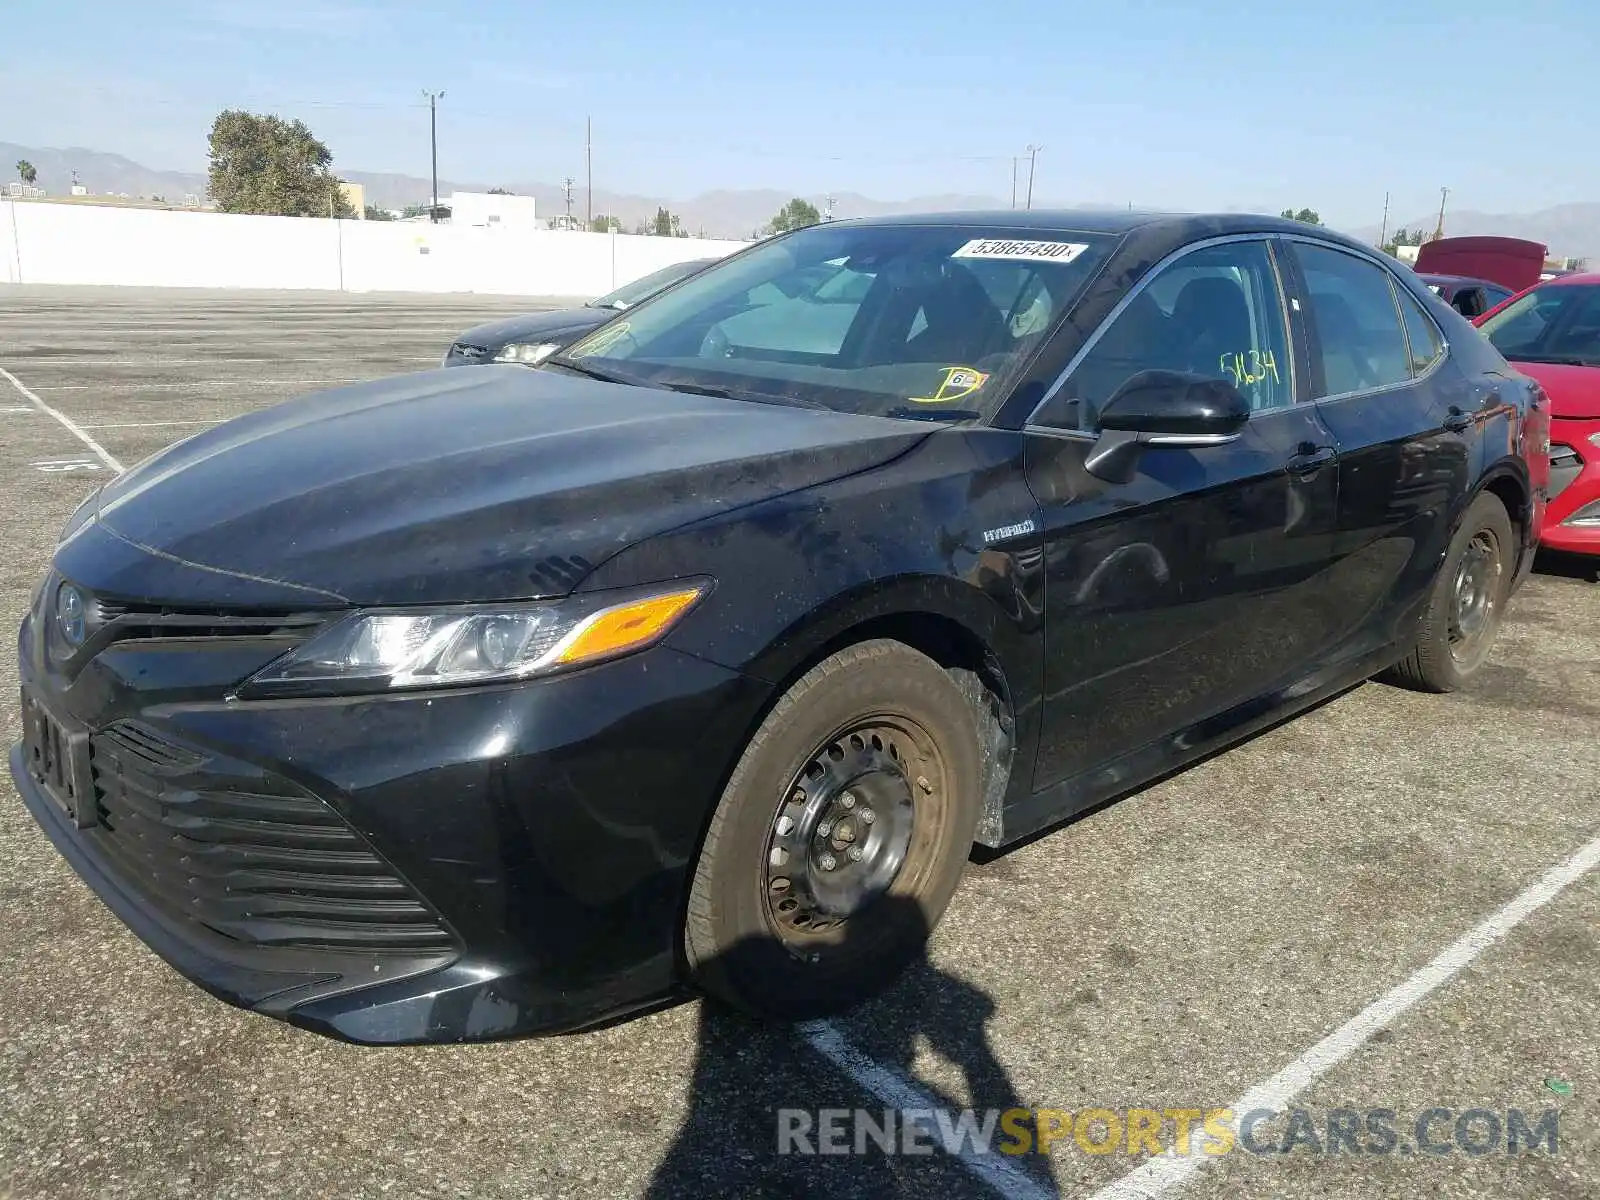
1062, 252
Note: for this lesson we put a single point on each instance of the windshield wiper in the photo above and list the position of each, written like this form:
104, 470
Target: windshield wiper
562, 361
907, 413
722, 393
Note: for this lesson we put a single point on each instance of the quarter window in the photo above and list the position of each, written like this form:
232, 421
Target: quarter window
1358, 326
1421, 336
1216, 312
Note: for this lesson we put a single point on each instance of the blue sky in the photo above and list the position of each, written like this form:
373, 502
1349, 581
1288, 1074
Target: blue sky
1159, 102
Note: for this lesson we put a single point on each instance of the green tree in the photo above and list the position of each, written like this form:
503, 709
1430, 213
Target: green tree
1307, 216
374, 213
796, 214
604, 224
500, 191
1404, 237
26, 173
664, 224
269, 166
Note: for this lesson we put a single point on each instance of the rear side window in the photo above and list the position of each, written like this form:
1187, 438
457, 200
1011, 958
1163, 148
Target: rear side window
1363, 343
1423, 339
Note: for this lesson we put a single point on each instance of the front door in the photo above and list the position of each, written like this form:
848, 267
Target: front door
1192, 588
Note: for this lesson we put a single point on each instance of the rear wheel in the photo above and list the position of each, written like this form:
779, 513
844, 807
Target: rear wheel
1466, 603
840, 837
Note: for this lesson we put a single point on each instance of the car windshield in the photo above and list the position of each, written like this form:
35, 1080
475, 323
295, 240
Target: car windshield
924, 321
1559, 324
630, 294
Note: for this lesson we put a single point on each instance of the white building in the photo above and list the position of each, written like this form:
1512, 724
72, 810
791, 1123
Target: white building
491, 210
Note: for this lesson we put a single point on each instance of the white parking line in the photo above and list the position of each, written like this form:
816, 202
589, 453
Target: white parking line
67, 422
152, 424
899, 1092
1160, 1176
190, 383
1167, 1173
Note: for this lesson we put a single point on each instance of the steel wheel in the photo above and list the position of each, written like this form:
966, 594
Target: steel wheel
1477, 593
840, 838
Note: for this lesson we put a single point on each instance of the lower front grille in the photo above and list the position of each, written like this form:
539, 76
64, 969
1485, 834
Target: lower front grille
247, 854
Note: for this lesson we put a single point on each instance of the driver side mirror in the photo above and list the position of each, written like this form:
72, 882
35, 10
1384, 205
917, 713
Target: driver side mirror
1164, 408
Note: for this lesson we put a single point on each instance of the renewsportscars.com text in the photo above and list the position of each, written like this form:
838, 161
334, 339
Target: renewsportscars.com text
1434, 1131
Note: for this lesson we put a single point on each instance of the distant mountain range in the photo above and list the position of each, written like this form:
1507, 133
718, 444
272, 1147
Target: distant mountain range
734, 214
1568, 229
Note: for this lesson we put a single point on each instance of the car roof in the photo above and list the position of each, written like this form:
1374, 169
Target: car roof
1179, 227
1432, 277
1589, 278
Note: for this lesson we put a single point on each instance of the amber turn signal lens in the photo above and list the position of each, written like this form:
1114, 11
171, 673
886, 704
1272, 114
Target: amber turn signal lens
624, 628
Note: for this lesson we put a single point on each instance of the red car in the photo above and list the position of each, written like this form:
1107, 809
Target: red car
1551, 332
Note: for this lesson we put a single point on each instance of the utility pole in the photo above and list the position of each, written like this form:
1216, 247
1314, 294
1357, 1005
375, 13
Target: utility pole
1033, 153
1383, 234
588, 163
1013, 181
433, 142
566, 186
1438, 230
827, 213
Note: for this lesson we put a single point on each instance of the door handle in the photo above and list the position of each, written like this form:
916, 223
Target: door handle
1308, 461
1458, 421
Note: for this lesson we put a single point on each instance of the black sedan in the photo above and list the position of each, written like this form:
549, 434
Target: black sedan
472, 704
534, 337
1468, 296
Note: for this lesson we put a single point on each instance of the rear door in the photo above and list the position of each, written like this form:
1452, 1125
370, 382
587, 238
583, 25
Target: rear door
1406, 425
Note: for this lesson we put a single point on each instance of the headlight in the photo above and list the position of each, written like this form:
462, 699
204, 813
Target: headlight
377, 650
531, 353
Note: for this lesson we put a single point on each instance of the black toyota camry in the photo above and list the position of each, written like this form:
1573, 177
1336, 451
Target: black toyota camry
533, 337
471, 704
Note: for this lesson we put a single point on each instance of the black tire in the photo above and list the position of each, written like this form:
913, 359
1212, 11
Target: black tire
1444, 659
881, 726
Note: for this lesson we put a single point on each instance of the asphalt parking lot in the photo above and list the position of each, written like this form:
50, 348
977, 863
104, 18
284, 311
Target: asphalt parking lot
1184, 948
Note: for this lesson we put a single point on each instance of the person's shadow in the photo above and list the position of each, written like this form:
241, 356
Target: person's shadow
754, 1080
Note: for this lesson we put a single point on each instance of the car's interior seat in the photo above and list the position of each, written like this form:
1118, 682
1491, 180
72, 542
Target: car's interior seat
1346, 360
1211, 322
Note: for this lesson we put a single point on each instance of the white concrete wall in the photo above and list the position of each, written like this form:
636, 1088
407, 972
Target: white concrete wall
83, 244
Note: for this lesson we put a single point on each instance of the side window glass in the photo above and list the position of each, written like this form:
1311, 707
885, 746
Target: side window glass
1421, 336
1363, 343
1217, 313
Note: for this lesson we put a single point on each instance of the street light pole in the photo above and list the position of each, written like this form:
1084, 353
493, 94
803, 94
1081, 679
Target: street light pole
1033, 152
1013, 181
433, 143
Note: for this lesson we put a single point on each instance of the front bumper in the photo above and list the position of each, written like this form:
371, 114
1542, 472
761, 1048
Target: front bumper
1578, 493
536, 837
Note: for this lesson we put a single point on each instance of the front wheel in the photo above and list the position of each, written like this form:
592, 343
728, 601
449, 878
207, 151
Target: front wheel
840, 837
1466, 603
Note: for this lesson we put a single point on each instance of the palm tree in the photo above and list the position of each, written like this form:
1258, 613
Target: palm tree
26, 172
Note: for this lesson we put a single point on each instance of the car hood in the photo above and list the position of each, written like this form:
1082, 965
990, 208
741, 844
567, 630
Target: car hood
510, 483
1574, 391
491, 335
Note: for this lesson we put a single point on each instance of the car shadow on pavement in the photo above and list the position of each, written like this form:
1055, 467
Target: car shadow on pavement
753, 1079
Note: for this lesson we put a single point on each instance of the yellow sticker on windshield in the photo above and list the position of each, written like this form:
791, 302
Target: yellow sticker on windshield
601, 340
958, 384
